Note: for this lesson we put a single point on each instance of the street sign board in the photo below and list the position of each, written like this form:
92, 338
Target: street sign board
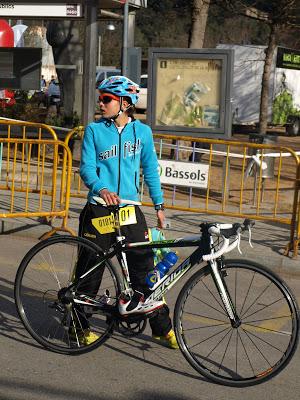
12, 9
183, 173
288, 58
135, 3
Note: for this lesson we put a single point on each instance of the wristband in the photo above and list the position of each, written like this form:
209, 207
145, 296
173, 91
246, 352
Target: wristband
158, 207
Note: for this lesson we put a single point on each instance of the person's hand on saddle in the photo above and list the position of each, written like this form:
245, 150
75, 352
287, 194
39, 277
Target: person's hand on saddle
110, 198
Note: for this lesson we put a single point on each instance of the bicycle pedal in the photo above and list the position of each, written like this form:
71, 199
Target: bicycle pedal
223, 273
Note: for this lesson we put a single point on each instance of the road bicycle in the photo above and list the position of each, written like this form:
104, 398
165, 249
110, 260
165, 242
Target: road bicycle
236, 322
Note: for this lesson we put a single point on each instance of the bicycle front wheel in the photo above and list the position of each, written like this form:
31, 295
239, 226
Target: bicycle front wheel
55, 321
255, 351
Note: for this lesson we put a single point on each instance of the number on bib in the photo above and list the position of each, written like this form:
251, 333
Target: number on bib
106, 224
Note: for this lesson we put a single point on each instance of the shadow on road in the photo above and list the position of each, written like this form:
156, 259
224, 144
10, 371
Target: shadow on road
144, 345
20, 390
10, 324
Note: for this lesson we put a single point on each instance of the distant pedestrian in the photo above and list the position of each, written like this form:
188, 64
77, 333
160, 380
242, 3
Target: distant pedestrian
54, 95
43, 84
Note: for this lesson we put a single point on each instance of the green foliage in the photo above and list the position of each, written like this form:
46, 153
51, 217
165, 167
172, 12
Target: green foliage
164, 24
283, 107
63, 120
24, 109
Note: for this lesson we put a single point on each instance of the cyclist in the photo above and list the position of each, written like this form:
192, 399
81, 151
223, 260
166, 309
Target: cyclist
113, 150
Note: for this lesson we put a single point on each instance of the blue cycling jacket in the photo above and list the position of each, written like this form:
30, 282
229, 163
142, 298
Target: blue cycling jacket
111, 160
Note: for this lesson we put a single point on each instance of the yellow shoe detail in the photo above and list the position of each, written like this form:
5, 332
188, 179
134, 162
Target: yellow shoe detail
168, 341
84, 338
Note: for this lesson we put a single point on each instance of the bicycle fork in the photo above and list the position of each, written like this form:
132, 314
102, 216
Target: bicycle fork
224, 293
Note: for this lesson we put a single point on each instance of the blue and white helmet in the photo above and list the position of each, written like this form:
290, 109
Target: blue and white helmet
120, 86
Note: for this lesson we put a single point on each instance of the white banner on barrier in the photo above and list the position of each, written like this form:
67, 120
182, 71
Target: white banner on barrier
183, 174
21, 9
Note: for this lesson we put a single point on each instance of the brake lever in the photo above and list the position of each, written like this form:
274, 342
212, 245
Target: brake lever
248, 224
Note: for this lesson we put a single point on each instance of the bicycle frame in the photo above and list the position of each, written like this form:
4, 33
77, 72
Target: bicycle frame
169, 280
204, 244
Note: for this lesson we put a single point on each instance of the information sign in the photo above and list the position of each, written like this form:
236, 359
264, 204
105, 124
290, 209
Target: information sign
21, 9
288, 58
190, 92
183, 174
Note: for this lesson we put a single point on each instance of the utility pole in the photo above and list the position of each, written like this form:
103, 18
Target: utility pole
125, 39
90, 60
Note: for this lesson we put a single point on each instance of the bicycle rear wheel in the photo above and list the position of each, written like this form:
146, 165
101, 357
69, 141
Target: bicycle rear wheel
55, 321
255, 351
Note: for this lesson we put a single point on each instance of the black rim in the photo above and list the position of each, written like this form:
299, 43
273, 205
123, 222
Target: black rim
47, 313
258, 349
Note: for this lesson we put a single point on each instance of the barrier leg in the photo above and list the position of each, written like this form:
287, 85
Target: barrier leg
62, 228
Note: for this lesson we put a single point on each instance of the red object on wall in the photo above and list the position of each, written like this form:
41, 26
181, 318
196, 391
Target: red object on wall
6, 40
6, 34
8, 98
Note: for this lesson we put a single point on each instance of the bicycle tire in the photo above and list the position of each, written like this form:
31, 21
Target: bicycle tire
47, 268
255, 351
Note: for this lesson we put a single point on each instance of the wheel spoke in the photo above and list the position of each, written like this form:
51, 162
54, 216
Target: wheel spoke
261, 328
210, 337
225, 351
215, 297
246, 353
262, 308
247, 293
210, 306
254, 344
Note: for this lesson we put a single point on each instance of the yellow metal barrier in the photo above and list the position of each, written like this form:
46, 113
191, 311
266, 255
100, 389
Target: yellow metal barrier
11, 129
232, 189
77, 188
29, 180
29, 165
294, 243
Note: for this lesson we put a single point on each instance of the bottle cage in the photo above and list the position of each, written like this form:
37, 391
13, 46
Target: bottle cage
157, 235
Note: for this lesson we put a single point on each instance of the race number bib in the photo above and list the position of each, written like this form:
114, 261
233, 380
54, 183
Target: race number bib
107, 224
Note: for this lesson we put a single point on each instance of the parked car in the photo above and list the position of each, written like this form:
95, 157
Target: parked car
104, 73
142, 103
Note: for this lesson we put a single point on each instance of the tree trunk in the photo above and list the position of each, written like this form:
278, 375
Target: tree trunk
196, 40
199, 18
67, 46
265, 84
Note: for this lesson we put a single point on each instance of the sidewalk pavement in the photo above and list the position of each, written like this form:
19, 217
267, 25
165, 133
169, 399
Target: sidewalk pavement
268, 239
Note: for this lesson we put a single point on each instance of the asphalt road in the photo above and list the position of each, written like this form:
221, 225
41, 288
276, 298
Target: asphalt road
123, 368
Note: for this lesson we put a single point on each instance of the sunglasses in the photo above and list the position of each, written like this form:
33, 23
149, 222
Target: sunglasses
107, 98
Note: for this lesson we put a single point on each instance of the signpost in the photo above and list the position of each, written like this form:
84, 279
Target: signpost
21, 9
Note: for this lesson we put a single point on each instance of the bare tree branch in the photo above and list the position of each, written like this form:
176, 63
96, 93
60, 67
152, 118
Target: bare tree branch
278, 15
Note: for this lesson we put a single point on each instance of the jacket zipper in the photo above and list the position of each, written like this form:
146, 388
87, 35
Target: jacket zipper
135, 182
120, 151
